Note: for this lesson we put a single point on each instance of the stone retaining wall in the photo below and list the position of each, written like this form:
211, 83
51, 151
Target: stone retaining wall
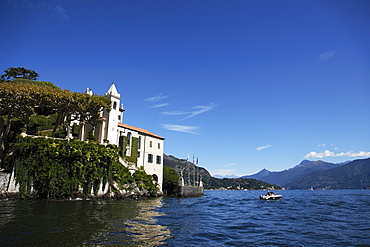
189, 191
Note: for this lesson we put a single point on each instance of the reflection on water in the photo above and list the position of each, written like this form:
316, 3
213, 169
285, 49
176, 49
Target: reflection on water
6, 214
140, 228
81, 223
219, 218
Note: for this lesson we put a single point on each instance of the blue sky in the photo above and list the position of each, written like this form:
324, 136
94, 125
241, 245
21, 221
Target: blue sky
243, 85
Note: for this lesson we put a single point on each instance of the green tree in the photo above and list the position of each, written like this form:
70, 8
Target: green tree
19, 72
90, 107
170, 180
19, 101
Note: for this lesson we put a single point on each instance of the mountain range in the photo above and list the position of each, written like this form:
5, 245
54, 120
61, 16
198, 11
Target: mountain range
353, 175
320, 175
227, 176
306, 175
191, 174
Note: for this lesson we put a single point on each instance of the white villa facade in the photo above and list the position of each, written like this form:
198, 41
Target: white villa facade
150, 145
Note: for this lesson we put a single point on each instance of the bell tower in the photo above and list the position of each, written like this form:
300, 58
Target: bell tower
113, 117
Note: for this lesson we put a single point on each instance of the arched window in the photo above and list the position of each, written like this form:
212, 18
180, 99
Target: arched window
114, 105
155, 177
128, 138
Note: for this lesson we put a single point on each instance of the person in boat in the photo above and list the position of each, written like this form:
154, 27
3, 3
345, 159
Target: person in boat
270, 194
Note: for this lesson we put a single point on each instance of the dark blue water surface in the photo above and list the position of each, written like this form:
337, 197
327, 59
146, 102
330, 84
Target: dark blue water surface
219, 218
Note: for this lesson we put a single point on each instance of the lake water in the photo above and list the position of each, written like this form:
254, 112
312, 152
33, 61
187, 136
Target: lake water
219, 218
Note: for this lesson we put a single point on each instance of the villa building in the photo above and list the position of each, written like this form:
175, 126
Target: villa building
150, 146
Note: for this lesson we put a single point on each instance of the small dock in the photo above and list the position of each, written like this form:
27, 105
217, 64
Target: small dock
189, 190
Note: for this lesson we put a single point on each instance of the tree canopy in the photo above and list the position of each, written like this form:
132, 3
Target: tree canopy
19, 72
21, 98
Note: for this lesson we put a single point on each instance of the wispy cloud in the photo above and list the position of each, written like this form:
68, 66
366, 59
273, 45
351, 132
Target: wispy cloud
327, 55
230, 164
201, 109
174, 113
181, 128
196, 110
160, 105
59, 11
322, 145
156, 98
263, 147
54, 7
328, 153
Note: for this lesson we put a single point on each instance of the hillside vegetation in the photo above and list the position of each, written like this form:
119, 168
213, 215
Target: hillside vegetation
192, 172
354, 175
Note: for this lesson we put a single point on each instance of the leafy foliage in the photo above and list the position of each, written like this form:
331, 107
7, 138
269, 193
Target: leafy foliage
134, 150
19, 72
134, 147
170, 180
145, 181
22, 101
39, 83
59, 168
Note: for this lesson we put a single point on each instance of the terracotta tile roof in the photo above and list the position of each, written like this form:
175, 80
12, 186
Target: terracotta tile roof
140, 130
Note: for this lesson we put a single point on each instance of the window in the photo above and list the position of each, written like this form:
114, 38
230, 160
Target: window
159, 146
138, 154
128, 138
150, 158
139, 142
159, 159
114, 105
121, 141
150, 144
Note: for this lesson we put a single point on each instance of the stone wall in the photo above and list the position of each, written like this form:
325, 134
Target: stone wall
5, 186
4, 178
189, 191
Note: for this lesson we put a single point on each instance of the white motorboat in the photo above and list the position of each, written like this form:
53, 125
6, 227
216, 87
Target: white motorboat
270, 196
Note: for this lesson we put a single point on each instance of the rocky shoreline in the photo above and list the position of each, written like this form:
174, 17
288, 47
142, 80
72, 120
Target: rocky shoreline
10, 191
139, 194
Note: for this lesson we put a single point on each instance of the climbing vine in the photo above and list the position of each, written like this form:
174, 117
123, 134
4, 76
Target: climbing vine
134, 150
123, 144
51, 168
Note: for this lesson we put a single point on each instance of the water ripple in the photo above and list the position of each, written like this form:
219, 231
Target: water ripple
301, 218
219, 218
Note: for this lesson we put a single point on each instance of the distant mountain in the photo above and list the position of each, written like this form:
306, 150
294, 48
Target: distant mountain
259, 175
304, 162
284, 177
345, 162
191, 171
226, 176
352, 175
